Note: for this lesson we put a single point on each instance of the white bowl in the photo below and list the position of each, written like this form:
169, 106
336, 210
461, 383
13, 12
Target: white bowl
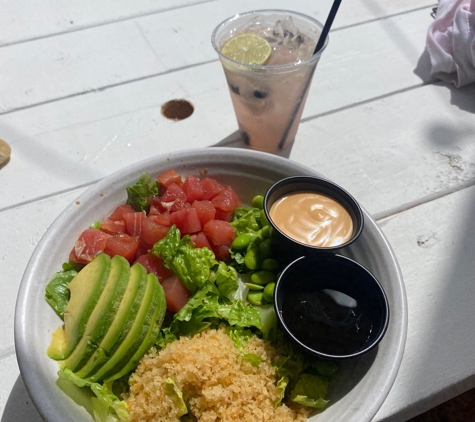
355, 394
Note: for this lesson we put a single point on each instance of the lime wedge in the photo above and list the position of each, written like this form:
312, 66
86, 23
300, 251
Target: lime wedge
248, 49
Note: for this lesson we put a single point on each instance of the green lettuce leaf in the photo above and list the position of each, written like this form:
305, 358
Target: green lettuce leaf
107, 406
57, 292
226, 280
242, 290
268, 320
238, 256
205, 300
138, 195
192, 265
252, 358
310, 391
240, 336
70, 265
245, 220
175, 394
195, 316
239, 314
281, 385
207, 308
165, 336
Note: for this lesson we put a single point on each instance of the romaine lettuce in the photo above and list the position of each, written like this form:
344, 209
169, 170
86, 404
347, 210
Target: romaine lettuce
176, 396
226, 280
57, 292
139, 194
246, 220
206, 308
107, 406
192, 265
310, 391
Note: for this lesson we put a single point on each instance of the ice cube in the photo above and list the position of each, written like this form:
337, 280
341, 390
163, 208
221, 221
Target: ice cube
286, 27
290, 36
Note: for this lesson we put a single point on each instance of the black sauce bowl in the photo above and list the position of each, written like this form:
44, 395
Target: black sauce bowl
336, 273
288, 248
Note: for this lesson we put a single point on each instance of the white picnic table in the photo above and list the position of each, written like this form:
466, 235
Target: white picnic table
81, 89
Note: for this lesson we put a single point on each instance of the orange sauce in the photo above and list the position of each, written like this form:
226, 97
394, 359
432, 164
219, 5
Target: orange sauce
313, 219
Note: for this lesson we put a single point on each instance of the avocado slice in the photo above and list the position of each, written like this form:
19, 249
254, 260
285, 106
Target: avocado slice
118, 330
135, 335
103, 314
149, 339
85, 290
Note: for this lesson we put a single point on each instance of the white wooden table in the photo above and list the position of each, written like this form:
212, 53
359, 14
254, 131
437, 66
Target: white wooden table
81, 86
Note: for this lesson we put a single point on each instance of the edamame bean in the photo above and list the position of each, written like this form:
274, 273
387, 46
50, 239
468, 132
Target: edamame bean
255, 298
265, 249
241, 242
251, 259
255, 238
253, 286
262, 277
269, 292
270, 264
264, 221
258, 202
265, 232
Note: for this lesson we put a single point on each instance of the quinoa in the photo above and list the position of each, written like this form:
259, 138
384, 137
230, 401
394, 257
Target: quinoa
217, 384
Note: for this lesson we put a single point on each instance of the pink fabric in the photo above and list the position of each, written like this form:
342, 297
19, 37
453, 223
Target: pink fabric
451, 42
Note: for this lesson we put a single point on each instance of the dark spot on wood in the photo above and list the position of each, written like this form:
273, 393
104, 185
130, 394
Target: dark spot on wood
177, 109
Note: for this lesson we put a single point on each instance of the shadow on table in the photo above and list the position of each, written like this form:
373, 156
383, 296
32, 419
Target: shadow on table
234, 140
463, 97
19, 406
452, 307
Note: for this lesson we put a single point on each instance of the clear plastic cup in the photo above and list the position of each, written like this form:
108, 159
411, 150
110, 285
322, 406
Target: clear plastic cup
269, 99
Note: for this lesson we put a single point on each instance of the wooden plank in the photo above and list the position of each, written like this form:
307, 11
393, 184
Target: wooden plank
435, 245
394, 153
52, 17
104, 56
70, 143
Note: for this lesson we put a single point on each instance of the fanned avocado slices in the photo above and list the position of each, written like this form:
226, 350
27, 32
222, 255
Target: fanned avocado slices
86, 288
136, 335
102, 316
122, 322
149, 339
112, 318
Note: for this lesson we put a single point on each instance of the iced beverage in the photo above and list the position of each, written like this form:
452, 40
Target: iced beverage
269, 99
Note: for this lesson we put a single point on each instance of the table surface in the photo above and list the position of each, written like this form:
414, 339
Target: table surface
81, 91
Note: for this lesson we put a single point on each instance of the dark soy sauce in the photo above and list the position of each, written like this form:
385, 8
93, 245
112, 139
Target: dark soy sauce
327, 321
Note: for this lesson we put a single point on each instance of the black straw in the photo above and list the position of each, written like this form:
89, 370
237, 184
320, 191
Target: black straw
327, 26
319, 46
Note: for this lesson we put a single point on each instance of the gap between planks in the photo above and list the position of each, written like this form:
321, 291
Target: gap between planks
96, 25
198, 2
377, 216
96, 90
421, 201
133, 80
352, 25
7, 353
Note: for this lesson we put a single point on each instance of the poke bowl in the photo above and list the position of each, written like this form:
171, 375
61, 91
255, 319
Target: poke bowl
355, 394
